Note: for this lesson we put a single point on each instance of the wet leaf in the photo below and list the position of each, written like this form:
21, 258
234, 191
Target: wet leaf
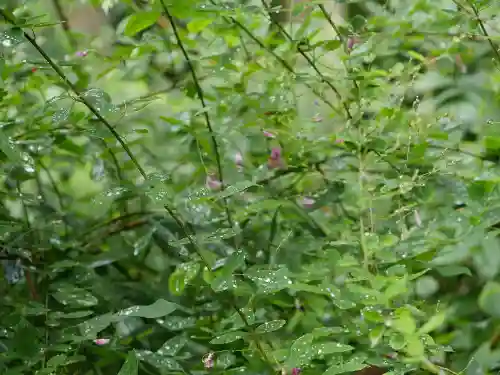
182, 275
90, 328
301, 352
72, 296
131, 365
343, 368
172, 346
178, 323
157, 360
228, 337
326, 348
10, 149
269, 281
271, 326
60, 116
156, 310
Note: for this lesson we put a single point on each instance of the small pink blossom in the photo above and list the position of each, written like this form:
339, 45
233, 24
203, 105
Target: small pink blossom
213, 183
339, 140
307, 202
238, 159
101, 341
275, 160
351, 42
296, 371
208, 360
81, 53
268, 134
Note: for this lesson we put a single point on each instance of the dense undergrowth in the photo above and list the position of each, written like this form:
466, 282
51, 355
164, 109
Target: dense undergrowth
203, 191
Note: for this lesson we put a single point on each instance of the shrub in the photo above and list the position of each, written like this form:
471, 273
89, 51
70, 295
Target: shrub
204, 191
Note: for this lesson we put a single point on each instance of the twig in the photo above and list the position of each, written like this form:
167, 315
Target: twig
80, 96
58, 194
483, 29
285, 64
205, 110
312, 64
344, 44
64, 22
195, 246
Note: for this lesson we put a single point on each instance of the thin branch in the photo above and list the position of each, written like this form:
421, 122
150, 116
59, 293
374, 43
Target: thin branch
285, 64
203, 104
80, 96
483, 29
311, 63
64, 22
58, 194
344, 44
196, 247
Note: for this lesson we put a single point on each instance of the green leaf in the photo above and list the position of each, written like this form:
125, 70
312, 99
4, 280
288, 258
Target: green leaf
325, 348
140, 21
343, 368
453, 270
228, 337
404, 322
414, 347
375, 335
131, 365
178, 323
197, 25
301, 352
332, 45
271, 326
90, 328
156, 310
489, 299
9, 149
183, 274
269, 281
433, 323
72, 296
172, 346
157, 360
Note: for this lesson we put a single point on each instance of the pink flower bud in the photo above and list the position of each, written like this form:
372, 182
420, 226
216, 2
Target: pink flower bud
213, 183
275, 160
339, 140
307, 202
208, 360
351, 42
296, 371
81, 53
101, 341
268, 134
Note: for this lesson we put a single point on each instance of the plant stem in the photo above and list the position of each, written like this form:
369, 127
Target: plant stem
199, 91
483, 29
80, 96
197, 248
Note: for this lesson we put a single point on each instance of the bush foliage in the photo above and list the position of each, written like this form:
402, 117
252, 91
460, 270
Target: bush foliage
199, 189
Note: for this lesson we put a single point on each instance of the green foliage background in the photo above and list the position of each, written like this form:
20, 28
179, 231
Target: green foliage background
374, 243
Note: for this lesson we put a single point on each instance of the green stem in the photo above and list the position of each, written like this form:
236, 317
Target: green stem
201, 96
77, 92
